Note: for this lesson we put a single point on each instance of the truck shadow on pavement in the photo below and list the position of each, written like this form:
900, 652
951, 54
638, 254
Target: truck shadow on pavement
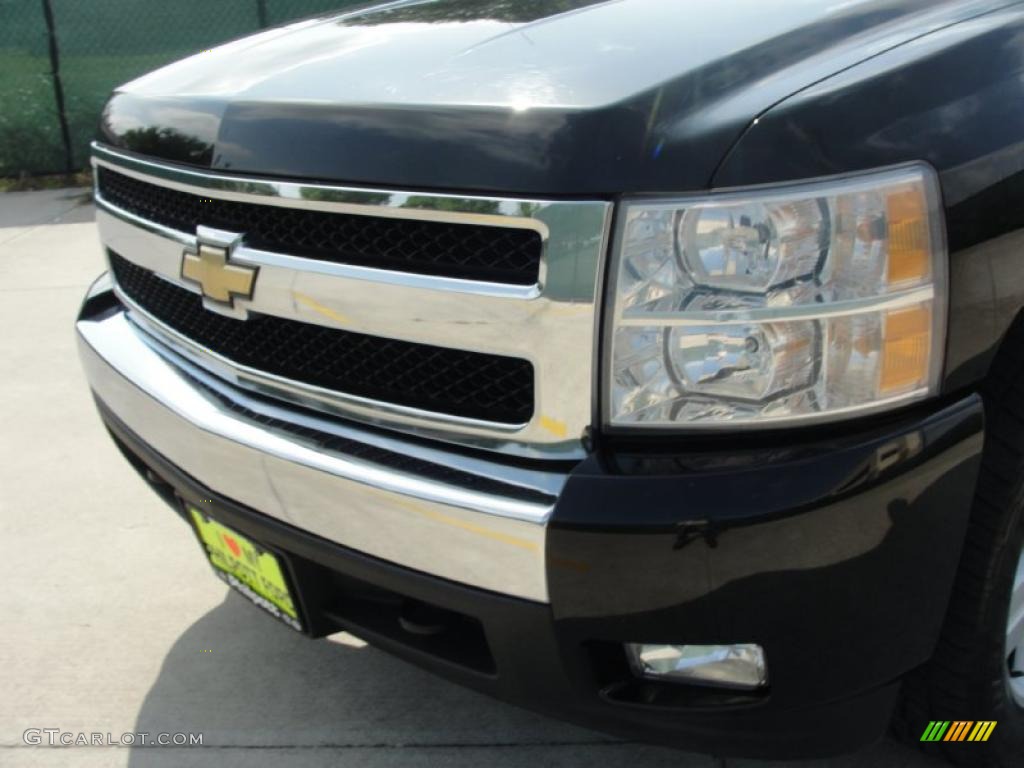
261, 694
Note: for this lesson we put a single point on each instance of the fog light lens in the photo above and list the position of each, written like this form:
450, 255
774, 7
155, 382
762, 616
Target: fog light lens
728, 666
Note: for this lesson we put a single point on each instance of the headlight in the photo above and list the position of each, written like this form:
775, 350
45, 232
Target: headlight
809, 302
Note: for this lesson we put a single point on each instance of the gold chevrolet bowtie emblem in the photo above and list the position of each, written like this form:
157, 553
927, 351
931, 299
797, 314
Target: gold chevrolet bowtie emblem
220, 280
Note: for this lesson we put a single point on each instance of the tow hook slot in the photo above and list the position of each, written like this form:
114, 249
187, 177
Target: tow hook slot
421, 619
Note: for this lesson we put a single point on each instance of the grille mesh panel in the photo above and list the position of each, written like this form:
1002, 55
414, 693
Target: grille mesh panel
468, 251
454, 382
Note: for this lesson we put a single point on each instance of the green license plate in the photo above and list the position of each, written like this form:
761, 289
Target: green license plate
247, 567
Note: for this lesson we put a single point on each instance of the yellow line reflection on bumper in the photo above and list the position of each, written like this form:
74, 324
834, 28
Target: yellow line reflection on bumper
479, 530
319, 308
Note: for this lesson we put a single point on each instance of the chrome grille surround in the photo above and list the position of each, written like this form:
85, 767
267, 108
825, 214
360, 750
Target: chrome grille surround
551, 323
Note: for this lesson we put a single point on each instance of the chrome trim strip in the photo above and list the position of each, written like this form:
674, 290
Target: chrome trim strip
481, 539
385, 277
258, 257
186, 240
551, 324
541, 481
304, 394
885, 302
360, 201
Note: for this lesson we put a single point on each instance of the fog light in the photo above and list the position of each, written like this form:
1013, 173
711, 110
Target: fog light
729, 666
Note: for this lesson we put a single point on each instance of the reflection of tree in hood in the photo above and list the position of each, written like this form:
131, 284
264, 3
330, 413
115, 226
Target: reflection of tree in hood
439, 11
341, 196
167, 143
446, 204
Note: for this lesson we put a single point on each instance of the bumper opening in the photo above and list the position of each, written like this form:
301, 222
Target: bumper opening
374, 613
620, 685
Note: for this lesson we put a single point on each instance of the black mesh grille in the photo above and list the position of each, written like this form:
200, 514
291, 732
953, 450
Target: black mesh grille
468, 384
468, 251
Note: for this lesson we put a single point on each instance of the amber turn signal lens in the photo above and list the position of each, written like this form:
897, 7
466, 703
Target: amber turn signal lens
907, 350
909, 238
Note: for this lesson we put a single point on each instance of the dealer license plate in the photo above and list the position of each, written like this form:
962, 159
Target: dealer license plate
249, 568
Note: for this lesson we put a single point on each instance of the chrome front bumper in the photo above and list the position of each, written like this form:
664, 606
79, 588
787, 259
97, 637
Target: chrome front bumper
285, 463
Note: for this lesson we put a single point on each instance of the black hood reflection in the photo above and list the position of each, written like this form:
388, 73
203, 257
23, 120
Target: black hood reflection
520, 97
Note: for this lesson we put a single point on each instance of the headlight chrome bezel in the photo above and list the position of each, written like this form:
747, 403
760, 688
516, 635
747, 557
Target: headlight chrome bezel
934, 294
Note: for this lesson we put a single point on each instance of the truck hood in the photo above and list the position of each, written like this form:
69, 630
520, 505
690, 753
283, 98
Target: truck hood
564, 97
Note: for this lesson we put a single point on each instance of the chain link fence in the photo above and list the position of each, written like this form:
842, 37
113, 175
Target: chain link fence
60, 59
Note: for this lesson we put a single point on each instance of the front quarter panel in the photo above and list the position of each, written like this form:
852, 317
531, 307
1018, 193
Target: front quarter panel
954, 98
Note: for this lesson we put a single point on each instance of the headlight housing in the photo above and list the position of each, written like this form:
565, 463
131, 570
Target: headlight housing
810, 302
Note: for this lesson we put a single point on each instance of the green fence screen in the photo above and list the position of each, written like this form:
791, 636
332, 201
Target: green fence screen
47, 122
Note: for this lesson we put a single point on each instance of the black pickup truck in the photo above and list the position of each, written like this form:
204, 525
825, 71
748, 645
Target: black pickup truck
656, 365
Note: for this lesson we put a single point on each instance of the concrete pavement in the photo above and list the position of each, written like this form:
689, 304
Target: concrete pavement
114, 623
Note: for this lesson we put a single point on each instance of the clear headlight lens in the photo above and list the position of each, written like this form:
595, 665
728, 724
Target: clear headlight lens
809, 302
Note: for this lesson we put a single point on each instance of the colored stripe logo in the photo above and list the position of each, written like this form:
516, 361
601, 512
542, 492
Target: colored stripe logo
958, 730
